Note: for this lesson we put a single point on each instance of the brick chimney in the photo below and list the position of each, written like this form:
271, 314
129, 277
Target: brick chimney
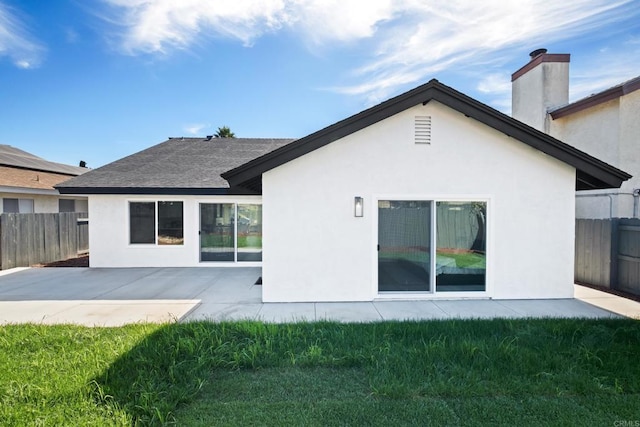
541, 85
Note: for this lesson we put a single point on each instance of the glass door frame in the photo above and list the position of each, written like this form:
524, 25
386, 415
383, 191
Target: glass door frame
432, 294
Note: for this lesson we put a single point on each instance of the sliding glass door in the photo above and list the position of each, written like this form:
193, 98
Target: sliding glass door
409, 230
404, 241
230, 232
249, 232
461, 252
217, 232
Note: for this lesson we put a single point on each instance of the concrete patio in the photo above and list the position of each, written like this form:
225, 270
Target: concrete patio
113, 297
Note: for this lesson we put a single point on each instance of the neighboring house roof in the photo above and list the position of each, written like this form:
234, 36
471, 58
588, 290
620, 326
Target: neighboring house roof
14, 157
176, 166
597, 98
591, 173
17, 178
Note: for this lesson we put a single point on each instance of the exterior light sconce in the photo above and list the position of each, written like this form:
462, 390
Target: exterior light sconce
358, 207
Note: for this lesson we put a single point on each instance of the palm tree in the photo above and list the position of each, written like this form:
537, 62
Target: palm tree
224, 132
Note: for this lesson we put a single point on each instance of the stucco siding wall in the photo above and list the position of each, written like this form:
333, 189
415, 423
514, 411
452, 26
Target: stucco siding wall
595, 131
630, 139
609, 132
109, 233
316, 250
41, 203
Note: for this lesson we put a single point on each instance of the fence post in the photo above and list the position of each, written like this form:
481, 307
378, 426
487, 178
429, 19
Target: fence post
615, 238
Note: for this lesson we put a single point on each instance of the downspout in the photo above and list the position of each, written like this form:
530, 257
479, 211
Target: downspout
636, 202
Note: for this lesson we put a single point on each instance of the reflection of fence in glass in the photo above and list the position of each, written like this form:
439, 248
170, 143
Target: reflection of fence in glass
461, 246
221, 234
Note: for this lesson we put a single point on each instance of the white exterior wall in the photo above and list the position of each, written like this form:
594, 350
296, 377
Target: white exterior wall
41, 203
109, 233
609, 132
316, 250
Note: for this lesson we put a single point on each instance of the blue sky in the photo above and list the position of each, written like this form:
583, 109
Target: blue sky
100, 79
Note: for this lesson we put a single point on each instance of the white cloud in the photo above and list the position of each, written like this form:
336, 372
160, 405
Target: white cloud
449, 34
195, 129
16, 42
409, 40
495, 82
157, 26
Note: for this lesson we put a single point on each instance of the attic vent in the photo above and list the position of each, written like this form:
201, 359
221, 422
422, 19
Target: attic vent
423, 129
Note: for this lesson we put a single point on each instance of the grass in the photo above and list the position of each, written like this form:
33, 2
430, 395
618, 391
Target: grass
461, 260
226, 240
458, 372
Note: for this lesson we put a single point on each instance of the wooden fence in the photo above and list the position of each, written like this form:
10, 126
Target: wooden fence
27, 239
608, 253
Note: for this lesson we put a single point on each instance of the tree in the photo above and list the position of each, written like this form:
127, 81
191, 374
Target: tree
224, 132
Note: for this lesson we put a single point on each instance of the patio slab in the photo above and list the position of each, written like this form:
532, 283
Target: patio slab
112, 297
409, 310
287, 312
217, 312
95, 312
622, 306
347, 312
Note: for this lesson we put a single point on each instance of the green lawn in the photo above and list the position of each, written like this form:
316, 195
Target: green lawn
489, 372
219, 240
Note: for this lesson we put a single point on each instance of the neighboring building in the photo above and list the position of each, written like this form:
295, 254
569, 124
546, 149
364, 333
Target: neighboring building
430, 194
27, 184
605, 125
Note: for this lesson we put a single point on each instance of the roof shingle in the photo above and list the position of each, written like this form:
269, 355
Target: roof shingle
185, 164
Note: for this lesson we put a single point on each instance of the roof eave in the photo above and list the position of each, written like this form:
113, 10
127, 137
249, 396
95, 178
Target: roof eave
603, 174
596, 99
169, 191
250, 170
606, 174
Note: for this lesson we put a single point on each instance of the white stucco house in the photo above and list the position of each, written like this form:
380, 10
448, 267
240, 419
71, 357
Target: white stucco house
605, 124
430, 194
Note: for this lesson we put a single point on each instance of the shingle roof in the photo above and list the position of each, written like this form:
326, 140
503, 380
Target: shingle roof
591, 173
176, 166
27, 178
14, 157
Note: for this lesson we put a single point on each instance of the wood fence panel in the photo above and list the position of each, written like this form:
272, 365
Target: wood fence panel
608, 253
27, 239
629, 256
593, 251
83, 235
51, 239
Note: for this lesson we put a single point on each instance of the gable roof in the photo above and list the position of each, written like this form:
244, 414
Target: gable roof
176, 166
16, 158
597, 98
591, 173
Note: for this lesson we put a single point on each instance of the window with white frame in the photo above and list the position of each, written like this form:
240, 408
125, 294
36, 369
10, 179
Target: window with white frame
10, 205
66, 205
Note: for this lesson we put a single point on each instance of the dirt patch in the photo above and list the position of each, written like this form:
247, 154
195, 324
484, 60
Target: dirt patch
82, 261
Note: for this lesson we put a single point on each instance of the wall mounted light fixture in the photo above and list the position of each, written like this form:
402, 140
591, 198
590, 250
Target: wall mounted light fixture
358, 207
